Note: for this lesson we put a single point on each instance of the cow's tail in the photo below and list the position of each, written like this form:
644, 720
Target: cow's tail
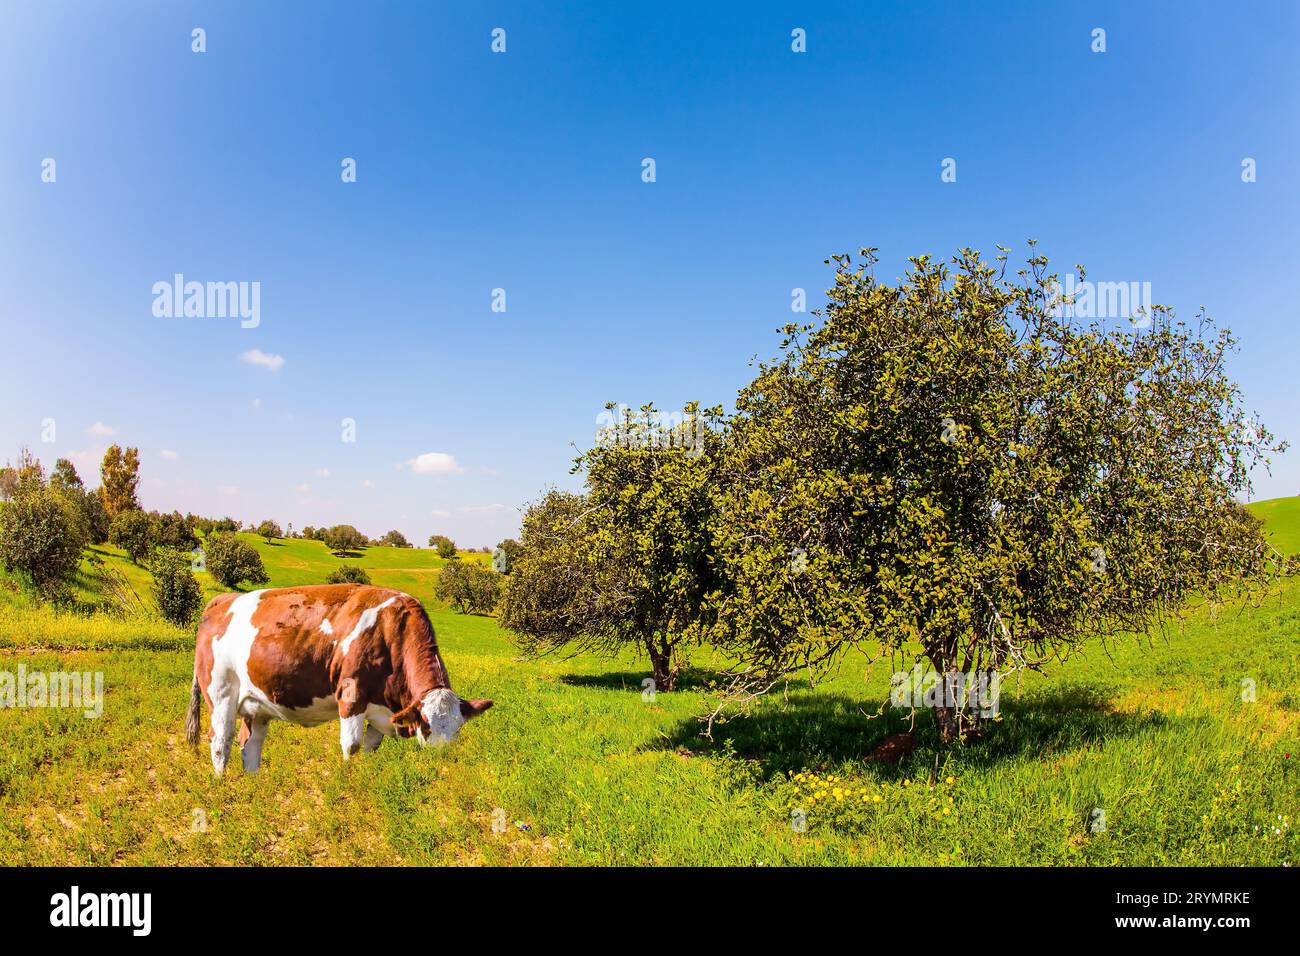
192, 715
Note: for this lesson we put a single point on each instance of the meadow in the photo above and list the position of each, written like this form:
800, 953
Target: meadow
573, 766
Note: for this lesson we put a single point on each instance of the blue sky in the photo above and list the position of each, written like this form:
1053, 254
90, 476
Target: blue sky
522, 171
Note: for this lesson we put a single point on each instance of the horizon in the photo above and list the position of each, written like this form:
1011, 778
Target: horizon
377, 300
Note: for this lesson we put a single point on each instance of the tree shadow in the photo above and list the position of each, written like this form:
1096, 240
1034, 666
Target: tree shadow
689, 679
822, 731
346, 554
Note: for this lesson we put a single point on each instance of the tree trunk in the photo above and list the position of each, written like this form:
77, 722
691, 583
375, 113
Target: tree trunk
661, 665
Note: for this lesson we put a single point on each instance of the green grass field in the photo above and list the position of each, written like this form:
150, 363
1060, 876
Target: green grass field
1152, 730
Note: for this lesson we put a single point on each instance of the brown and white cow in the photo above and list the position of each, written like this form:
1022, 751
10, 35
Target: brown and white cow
365, 655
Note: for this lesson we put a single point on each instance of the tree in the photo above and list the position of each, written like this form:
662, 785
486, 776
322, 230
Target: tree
269, 531
119, 477
309, 533
40, 538
446, 547
630, 562
505, 555
956, 463
65, 477
394, 539
469, 586
175, 589
225, 525
173, 531
135, 533
96, 515
348, 574
342, 538
233, 562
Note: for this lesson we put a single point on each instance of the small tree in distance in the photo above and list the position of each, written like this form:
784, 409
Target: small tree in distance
469, 587
269, 531
342, 538
446, 547
135, 533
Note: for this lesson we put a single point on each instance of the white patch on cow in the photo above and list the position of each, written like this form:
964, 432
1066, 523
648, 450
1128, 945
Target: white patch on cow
364, 623
228, 686
441, 708
326, 627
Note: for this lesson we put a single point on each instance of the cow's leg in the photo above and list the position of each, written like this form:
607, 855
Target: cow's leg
351, 731
224, 702
374, 737
252, 749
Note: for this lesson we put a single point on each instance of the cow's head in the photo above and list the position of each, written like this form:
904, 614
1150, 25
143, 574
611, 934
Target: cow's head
437, 718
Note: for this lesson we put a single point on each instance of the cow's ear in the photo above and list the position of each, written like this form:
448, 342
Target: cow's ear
408, 719
472, 708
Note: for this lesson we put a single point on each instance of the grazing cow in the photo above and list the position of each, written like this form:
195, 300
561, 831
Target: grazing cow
365, 655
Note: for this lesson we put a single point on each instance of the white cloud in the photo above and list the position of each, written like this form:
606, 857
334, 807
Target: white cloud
367, 483
100, 430
322, 472
264, 359
257, 404
434, 463
472, 509
169, 454
227, 491
303, 488
439, 513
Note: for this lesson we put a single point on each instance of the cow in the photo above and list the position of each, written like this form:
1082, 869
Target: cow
362, 654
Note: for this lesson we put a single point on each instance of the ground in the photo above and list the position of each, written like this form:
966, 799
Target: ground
1143, 752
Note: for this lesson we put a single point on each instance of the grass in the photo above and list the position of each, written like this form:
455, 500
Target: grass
582, 770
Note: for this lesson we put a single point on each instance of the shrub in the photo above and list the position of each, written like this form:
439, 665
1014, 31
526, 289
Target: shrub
348, 574
41, 537
232, 561
469, 587
134, 533
175, 589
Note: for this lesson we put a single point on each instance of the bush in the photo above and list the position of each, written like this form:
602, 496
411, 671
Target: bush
469, 586
348, 574
446, 547
134, 533
41, 537
232, 561
175, 589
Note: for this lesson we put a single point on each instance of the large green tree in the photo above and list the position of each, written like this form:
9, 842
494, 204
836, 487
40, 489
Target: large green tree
955, 467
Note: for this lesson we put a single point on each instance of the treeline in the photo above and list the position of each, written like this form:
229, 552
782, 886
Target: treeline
952, 468
47, 522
